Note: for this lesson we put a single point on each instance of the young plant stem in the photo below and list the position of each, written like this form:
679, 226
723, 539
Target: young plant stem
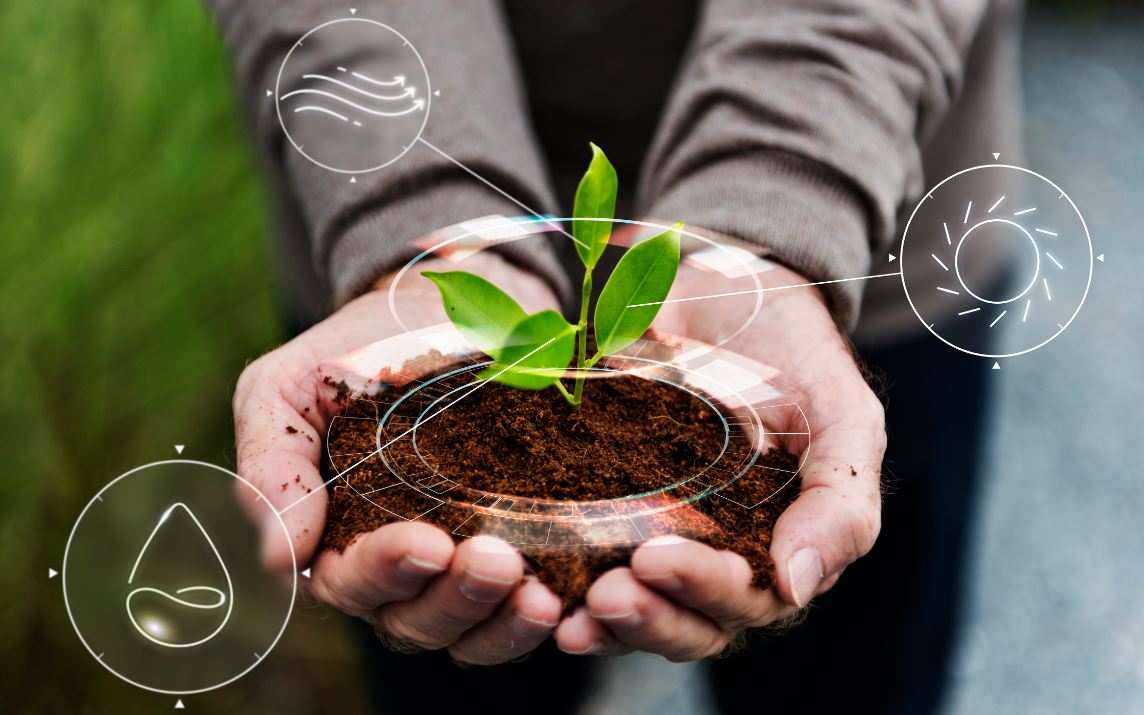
582, 346
564, 391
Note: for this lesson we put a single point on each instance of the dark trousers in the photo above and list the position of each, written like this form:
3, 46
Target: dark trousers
879, 642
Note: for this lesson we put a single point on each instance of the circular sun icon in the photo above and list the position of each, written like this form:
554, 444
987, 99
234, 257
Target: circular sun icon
1000, 249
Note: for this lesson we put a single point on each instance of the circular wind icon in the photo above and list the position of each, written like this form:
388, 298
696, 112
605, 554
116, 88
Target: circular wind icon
182, 617
996, 255
352, 95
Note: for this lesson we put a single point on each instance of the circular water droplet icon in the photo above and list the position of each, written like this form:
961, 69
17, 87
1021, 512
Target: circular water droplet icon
163, 580
204, 605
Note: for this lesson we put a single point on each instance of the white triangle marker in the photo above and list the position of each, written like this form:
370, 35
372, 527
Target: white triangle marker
353, 10
353, 179
179, 705
269, 93
437, 93
180, 447
52, 573
893, 258
996, 155
1100, 258
996, 366
306, 573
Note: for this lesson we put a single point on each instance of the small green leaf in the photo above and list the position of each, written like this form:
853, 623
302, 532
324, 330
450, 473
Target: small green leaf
535, 354
595, 198
643, 275
483, 313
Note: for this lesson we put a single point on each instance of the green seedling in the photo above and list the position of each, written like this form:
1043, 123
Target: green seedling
532, 352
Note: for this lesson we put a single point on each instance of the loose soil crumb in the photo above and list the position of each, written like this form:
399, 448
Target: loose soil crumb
290, 429
631, 436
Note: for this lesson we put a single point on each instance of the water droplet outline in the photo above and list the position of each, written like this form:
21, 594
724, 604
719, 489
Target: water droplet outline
227, 598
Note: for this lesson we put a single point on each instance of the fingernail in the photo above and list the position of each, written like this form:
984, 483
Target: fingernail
665, 540
526, 627
484, 589
587, 651
414, 568
664, 582
491, 545
804, 570
629, 619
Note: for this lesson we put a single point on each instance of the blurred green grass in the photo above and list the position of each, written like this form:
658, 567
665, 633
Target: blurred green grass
136, 284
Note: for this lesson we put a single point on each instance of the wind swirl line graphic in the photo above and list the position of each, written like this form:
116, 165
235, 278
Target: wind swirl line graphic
361, 103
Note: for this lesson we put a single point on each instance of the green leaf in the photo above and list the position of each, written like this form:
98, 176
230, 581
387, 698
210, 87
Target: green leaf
595, 198
483, 313
643, 275
535, 354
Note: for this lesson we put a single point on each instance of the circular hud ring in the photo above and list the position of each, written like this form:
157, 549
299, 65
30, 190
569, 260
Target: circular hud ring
735, 269
163, 580
999, 248
399, 477
352, 95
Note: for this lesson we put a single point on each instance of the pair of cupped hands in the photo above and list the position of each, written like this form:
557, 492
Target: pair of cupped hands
677, 598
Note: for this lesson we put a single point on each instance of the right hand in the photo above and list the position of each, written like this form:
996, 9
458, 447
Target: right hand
409, 579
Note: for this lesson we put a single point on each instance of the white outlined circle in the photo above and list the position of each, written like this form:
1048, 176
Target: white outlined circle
957, 261
1068, 233
549, 224
64, 571
425, 100
763, 414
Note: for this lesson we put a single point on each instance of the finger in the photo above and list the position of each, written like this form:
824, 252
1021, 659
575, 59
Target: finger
393, 563
278, 451
523, 622
837, 516
484, 571
718, 584
580, 634
641, 618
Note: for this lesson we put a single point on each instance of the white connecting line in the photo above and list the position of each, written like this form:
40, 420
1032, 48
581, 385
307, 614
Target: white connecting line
762, 290
481, 383
355, 465
501, 191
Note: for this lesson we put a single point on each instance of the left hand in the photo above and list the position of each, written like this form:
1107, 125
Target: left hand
684, 600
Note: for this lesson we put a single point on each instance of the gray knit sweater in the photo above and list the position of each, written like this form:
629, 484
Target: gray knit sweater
806, 127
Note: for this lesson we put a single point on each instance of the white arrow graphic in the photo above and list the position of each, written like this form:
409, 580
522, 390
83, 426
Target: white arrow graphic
419, 104
398, 79
409, 91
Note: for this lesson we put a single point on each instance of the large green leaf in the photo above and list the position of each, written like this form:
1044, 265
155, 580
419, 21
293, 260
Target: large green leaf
483, 313
595, 198
643, 275
535, 354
